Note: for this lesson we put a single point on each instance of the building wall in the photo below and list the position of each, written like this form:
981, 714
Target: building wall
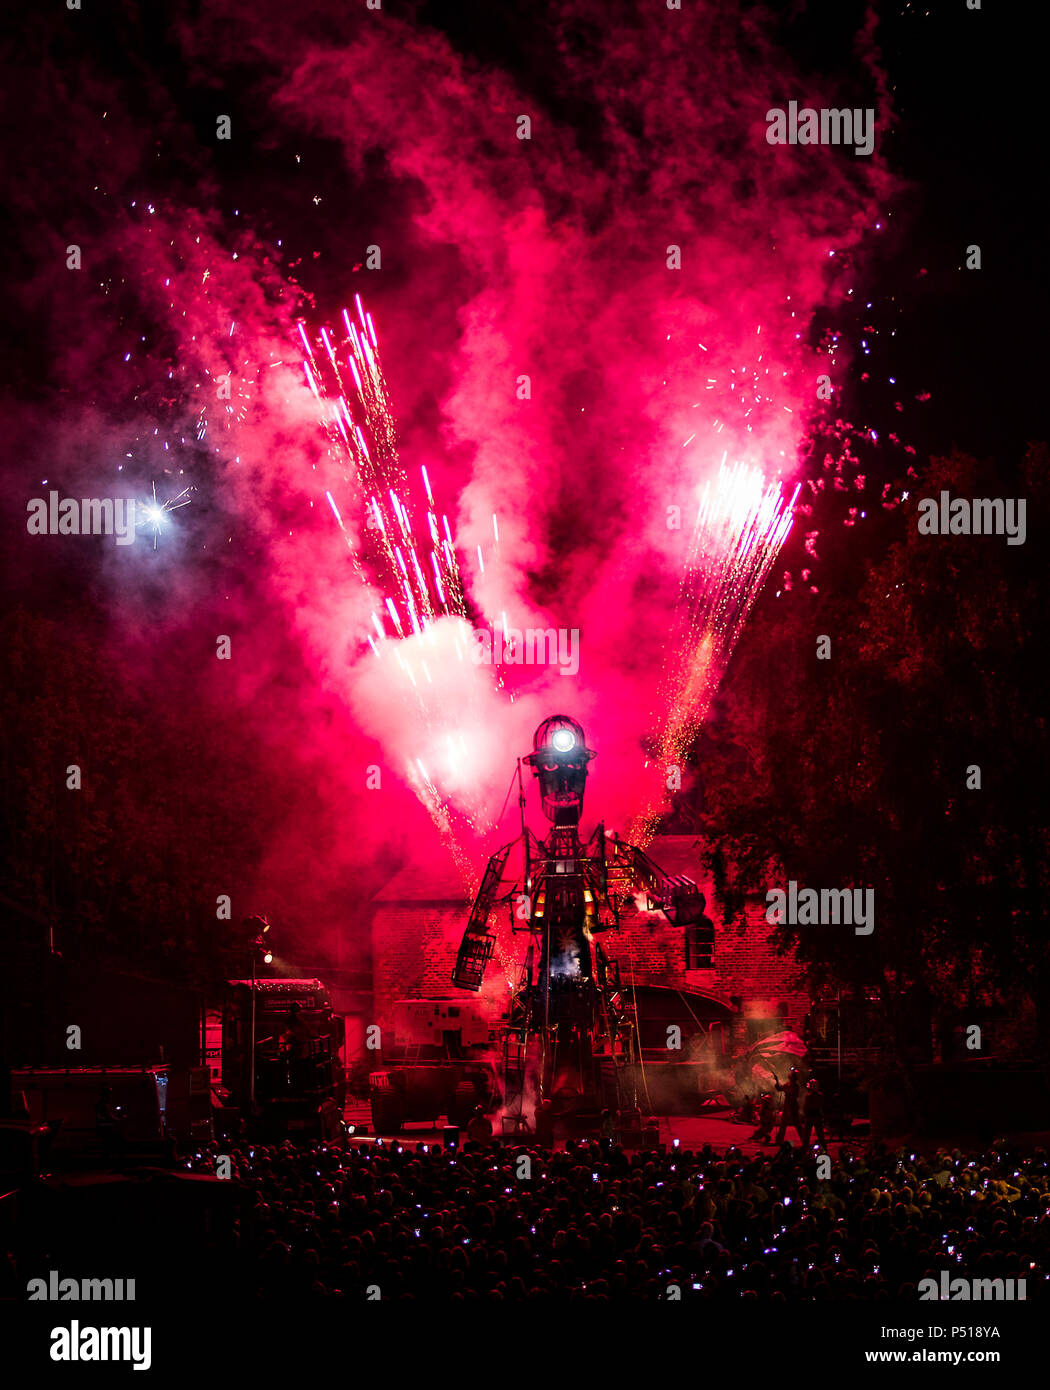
648, 948
413, 951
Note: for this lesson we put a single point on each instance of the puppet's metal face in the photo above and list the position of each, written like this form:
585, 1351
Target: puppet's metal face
559, 759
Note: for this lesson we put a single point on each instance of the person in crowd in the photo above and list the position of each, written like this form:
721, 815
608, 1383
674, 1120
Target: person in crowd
813, 1114
544, 1124
767, 1115
479, 1130
109, 1123
745, 1114
790, 1116
295, 1044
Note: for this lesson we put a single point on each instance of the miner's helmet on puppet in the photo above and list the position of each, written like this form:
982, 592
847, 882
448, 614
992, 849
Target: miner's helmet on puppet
559, 759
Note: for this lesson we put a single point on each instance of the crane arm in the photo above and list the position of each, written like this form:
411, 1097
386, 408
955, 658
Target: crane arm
475, 950
630, 869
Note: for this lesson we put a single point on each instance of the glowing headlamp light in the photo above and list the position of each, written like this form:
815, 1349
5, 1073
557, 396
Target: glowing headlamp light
563, 739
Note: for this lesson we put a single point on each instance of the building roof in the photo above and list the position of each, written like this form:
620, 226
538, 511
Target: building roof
428, 883
441, 882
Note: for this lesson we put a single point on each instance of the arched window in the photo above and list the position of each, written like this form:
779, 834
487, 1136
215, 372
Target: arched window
700, 945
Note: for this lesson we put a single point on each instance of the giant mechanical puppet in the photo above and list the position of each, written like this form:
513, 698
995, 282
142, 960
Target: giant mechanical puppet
569, 1020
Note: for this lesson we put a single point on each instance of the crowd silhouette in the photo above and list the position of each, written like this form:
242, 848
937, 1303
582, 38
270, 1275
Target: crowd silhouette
595, 1222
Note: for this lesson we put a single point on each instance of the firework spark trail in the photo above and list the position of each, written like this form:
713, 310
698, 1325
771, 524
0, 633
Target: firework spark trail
421, 578
740, 526
418, 577
420, 782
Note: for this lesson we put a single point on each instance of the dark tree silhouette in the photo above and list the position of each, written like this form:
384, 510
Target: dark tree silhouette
854, 770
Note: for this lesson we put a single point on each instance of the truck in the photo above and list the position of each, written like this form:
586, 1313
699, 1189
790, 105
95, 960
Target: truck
439, 1058
299, 1087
